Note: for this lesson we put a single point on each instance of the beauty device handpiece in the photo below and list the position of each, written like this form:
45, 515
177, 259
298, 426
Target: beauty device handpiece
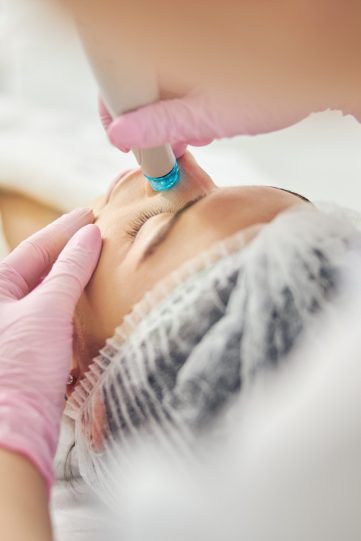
158, 164
126, 85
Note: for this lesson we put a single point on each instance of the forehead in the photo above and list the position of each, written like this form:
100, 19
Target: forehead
251, 200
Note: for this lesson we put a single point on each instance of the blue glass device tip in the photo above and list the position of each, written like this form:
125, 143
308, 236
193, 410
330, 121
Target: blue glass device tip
160, 184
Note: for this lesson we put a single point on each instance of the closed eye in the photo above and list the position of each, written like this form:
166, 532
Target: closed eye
136, 225
141, 219
165, 231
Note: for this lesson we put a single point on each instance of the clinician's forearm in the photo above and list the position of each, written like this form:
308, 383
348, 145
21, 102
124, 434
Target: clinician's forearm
275, 49
22, 216
24, 513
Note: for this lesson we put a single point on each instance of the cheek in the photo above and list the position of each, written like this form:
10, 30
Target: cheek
184, 243
104, 297
193, 235
114, 288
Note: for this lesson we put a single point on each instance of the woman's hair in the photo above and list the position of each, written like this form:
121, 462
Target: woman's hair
205, 333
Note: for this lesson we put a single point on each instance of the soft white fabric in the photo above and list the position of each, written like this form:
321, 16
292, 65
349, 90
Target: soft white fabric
291, 468
202, 337
77, 513
46, 155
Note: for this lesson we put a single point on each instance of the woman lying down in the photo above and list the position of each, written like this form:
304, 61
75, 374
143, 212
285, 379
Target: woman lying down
198, 291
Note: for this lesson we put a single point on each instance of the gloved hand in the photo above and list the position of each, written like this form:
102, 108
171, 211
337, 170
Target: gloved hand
36, 332
196, 119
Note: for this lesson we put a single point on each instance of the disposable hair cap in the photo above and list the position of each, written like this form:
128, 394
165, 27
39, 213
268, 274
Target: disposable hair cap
202, 335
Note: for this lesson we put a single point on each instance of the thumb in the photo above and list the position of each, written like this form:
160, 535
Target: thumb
169, 121
72, 270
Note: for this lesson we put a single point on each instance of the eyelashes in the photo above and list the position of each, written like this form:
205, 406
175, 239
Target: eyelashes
136, 225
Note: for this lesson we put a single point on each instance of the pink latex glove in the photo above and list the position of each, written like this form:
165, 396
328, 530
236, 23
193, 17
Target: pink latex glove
196, 119
36, 332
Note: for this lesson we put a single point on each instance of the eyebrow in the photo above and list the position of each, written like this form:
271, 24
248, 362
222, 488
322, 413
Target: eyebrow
167, 228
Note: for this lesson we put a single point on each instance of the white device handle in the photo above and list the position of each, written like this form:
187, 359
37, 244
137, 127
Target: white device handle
125, 85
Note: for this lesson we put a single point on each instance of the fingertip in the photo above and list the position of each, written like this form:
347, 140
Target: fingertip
81, 214
74, 220
90, 236
74, 267
139, 128
87, 243
151, 126
179, 149
121, 134
201, 142
94, 231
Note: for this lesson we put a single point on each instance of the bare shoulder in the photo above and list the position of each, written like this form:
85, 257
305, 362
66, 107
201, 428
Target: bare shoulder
21, 216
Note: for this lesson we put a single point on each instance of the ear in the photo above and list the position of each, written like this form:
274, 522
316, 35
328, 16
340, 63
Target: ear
72, 380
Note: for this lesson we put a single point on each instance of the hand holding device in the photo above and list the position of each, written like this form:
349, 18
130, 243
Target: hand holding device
195, 119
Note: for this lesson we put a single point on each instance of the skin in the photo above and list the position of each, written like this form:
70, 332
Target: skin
23, 500
278, 58
22, 216
123, 275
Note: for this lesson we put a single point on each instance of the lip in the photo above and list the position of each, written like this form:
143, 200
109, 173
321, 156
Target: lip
118, 180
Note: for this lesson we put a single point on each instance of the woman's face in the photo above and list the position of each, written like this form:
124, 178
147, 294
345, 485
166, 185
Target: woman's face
147, 235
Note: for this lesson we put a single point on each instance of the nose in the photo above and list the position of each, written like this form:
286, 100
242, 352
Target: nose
193, 176
193, 182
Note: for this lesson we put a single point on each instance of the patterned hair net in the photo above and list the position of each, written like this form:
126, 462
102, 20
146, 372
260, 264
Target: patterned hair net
202, 335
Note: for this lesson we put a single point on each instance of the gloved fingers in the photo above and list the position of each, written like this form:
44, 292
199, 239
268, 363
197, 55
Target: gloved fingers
169, 121
23, 268
71, 271
201, 142
179, 149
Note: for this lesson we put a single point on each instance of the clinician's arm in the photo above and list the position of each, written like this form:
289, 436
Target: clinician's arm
40, 284
23, 500
257, 65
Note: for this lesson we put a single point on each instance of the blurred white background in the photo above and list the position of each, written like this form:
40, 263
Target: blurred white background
48, 117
